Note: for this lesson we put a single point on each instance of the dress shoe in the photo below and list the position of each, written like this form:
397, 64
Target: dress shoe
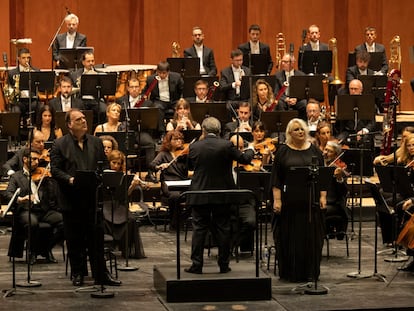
109, 280
50, 258
408, 268
193, 270
225, 269
77, 280
151, 178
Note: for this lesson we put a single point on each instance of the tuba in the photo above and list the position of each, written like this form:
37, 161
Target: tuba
175, 49
280, 48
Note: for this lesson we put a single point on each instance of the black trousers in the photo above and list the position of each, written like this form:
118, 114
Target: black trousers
217, 219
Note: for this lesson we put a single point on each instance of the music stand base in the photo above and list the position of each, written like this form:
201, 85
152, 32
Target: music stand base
29, 284
380, 277
359, 275
316, 291
127, 268
103, 294
396, 259
13, 291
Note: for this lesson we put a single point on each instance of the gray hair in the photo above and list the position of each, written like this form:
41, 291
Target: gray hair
337, 148
211, 125
72, 16
291, 124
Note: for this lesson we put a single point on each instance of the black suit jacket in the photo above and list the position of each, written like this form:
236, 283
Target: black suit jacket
175, 84
378, 48
322, 47
264, 49
353, 73
16, 71
226, 80
60, 43
208, 59
15, 163
56, 103
280, 79
212, 160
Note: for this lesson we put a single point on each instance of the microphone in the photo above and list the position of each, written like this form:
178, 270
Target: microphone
67, 10
304, 33
291, 48
5, 57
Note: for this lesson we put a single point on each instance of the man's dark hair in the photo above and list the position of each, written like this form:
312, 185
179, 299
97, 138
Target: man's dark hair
363, 56
254, 27
235, 53
163, 66
23, 51
90, 52
69, 114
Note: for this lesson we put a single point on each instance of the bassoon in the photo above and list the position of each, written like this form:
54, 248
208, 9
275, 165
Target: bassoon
147, 92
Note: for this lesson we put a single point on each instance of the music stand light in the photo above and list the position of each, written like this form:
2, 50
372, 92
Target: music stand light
186, 66
305, 87
72, 58
316, 62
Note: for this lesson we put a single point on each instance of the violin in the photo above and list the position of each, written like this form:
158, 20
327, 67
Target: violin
39, 173
268, 144
183, 151
341, 167
45, 155
254, 166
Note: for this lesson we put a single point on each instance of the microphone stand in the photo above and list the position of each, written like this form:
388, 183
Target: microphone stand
126, 267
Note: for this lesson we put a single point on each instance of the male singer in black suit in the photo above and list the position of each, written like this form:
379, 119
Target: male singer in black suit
212, 159
166, 91
66, 101
287, 102
230, 79
254, 46
206, 55
314, 44
371, 46
70, 39
74, 152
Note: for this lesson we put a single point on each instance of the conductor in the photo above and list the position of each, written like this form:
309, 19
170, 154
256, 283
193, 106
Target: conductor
211, 158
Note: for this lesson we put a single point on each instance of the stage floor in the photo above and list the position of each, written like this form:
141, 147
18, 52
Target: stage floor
137, 291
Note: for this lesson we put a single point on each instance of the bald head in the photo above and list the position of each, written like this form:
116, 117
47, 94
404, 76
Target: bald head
355, 87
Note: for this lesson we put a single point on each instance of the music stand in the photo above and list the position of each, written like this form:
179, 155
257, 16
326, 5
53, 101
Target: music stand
61, 122
305, 87
245, 86
200, 111
314, 178
10, 122
72, 58
258, 64
375, 62
98, 85
189, 82
276, 121
41, 81
355, 107
143, 118
316, 62
186, 66
190, 135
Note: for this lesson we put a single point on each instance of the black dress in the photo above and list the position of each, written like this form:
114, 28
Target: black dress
297, 250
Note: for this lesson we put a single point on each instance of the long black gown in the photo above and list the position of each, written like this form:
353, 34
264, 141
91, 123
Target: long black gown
298, 232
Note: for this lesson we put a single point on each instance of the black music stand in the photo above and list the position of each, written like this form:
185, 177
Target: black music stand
72, 58
190, 135
375, 62
258, 64
200, 111
374, 84
305, 87
143, 118
313, 178
245, 86
276, 121
189, 82
316, 62
394, 179
186, 66
10, 124
120, 137
93, 180
41, 81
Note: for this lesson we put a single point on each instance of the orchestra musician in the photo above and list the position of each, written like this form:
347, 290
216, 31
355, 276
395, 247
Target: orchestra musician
264, 147
201, 90
337, 213
263, 99
69, 40
109, 143
314, 44
172, 162
313, 114
46, 123
42, 192
244, 122
206, 55
66, 101
182, 119
323, 134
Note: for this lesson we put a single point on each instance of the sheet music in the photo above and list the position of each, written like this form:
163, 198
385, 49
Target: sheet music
178, 183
